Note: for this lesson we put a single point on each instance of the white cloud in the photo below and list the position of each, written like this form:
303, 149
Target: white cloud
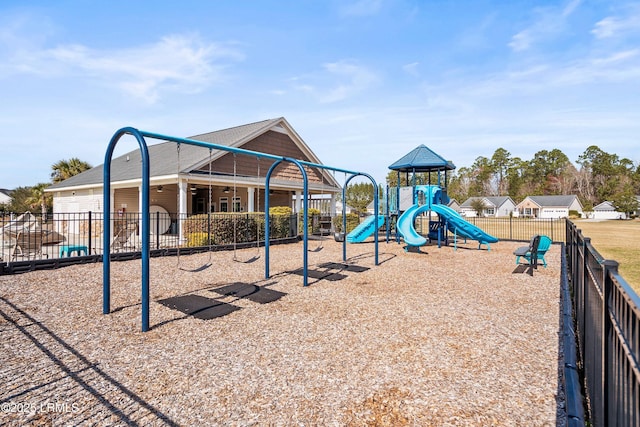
617, 26
548, 23
361, 8
178, 63
411, 69
339, 81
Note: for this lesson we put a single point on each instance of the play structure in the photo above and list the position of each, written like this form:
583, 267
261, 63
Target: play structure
145, 208
365, 229
434, 202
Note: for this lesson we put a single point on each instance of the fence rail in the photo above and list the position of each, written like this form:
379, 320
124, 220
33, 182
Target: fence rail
54, 239
510, 228
607, 316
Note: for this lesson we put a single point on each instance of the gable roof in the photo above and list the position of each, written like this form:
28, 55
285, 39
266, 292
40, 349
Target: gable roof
165, 159
605, 206
564, 201
421, 159
496, 201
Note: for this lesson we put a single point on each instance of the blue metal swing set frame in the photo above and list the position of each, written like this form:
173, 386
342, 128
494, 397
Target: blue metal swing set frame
145, 229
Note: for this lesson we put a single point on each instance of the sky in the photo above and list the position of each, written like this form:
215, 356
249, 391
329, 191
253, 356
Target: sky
363, 82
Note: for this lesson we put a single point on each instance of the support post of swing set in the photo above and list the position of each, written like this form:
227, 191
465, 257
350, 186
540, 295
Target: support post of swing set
145, 229
305, 220
146, 235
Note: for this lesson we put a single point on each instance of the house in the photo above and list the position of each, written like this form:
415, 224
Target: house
549, 206
606, 210
185, 178
453, 204
636, 212
5, 196
494, 206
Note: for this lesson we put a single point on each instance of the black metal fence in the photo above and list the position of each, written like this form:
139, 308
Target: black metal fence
607, 322
510, 228
30, 242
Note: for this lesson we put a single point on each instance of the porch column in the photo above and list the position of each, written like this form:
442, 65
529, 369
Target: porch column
298, 201
251, 205
332, 205
112, 203
333, 210
139, 207
182, 211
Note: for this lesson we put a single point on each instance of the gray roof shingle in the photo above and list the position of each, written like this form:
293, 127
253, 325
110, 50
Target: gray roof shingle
163, 157
494, 200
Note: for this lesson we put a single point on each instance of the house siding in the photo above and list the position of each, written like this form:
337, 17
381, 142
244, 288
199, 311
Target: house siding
554, 212
270, 142
78, 201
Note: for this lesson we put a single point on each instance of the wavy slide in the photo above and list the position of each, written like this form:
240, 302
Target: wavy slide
455, 223
406, 228
365, 229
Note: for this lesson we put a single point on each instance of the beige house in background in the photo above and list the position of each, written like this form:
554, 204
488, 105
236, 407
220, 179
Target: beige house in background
548, 206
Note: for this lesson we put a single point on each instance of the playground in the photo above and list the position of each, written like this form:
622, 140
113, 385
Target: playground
457, 337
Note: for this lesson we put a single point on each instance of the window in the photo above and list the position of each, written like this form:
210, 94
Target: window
224, 204
236, 204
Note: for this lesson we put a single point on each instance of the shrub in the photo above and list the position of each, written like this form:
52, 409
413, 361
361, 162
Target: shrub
197, 239
246, 226
313, 220
352, 222
280, 225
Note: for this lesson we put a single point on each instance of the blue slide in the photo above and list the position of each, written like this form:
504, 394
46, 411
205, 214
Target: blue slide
457, 225
406, 228
365, 229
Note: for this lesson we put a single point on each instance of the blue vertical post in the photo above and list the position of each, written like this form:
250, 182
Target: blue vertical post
106, 197
344, 220
375, 212
305, 232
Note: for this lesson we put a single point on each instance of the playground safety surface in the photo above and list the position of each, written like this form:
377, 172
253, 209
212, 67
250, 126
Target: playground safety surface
443, 337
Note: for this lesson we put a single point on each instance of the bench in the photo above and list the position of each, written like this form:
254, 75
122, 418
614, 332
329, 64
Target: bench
67, 250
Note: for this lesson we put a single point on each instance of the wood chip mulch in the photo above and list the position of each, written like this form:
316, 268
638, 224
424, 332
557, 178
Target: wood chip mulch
440, 338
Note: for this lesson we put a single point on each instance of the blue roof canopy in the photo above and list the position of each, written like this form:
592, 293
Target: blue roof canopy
422, 159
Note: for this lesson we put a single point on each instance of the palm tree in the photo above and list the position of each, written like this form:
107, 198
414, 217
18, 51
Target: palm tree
65, 169
39, 199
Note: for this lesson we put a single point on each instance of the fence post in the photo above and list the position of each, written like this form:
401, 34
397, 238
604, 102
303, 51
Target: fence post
157, 230
90, 233
511, 227
584, 265
609, 267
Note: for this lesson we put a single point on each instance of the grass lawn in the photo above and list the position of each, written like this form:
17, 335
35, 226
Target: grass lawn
619, 241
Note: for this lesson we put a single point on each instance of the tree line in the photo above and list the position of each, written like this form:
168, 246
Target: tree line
34, 198
596, 177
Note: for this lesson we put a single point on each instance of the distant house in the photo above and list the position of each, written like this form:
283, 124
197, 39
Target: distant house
636, 212
549, 206
5, 196
453, 204
498, 206
606, 210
